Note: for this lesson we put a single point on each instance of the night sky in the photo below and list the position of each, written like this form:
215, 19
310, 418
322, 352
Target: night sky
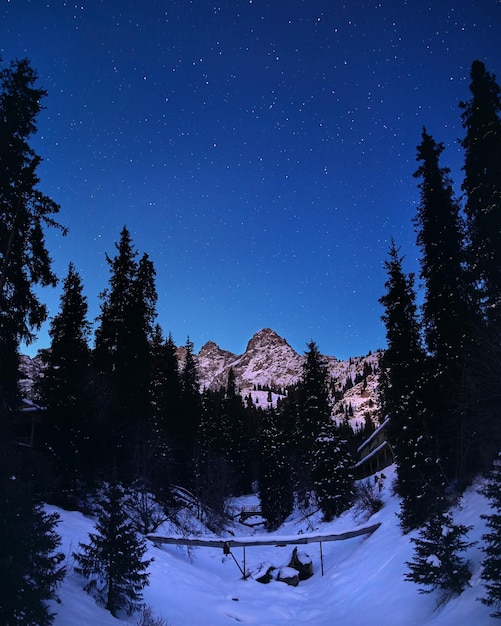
260, 151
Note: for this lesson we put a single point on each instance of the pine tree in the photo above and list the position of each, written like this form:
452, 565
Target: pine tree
223, 446
447, 313
24, 213
165, 401
213, 475
236, 435
401, 381
333, 470
437, 562
30, 567
482, 191
122, 357
190, 410
112, 560
64, 389
127, 316
313, 410
482, 187
141, 322
440, 234
166, 384
276, 493
491, 565
157, 390
112, 333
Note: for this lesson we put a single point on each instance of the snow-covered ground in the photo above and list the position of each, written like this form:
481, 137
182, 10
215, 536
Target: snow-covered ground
363, 582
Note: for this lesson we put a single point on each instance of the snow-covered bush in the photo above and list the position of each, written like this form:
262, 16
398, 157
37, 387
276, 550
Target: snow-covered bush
144, 510
368, 498
148, 618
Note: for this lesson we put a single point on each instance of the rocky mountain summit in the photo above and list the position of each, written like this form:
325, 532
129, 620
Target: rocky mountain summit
267, 361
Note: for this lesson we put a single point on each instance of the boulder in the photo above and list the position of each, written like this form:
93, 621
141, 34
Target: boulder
264, 575
301, 562
289, 575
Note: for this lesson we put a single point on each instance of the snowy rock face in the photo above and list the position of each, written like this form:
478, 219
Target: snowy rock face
269, 362
29, 370
213, 365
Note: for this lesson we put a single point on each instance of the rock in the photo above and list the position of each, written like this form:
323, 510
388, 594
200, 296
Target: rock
302, 562
264, 575
289, 575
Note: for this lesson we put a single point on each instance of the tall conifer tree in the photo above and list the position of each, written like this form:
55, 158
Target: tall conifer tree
165, 401
481, 119
447, 314
190, 410
24, 213
482, 187
333, 469
122, 354
237, 436
314, 410
402, 375
113, 558
276, 490
166, 385
64, 388
213, 476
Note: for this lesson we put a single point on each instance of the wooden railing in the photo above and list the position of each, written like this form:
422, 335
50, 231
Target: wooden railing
244, 542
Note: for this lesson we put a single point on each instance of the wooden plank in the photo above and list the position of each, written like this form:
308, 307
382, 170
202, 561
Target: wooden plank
251, 541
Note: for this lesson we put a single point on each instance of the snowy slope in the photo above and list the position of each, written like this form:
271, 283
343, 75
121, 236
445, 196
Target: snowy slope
363, 583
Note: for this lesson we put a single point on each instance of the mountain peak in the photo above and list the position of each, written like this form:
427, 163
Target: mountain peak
267, 360
266, 337
211, 348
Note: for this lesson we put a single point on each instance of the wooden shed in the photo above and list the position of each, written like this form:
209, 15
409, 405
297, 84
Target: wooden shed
375, 453
25, 421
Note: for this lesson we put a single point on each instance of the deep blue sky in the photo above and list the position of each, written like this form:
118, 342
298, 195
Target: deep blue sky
260, 151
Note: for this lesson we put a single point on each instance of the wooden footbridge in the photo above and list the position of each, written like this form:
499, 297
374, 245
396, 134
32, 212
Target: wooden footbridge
243, 542
249, 511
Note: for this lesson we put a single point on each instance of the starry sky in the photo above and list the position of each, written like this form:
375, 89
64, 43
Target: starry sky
260, 151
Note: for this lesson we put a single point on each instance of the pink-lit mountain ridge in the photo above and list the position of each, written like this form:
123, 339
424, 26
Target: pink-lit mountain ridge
269, 362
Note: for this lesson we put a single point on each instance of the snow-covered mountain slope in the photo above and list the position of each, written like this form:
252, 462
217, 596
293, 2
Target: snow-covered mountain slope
363, 583
29, 370
269, 362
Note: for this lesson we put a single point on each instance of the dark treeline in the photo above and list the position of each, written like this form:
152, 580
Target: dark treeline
440, 382
131, 410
